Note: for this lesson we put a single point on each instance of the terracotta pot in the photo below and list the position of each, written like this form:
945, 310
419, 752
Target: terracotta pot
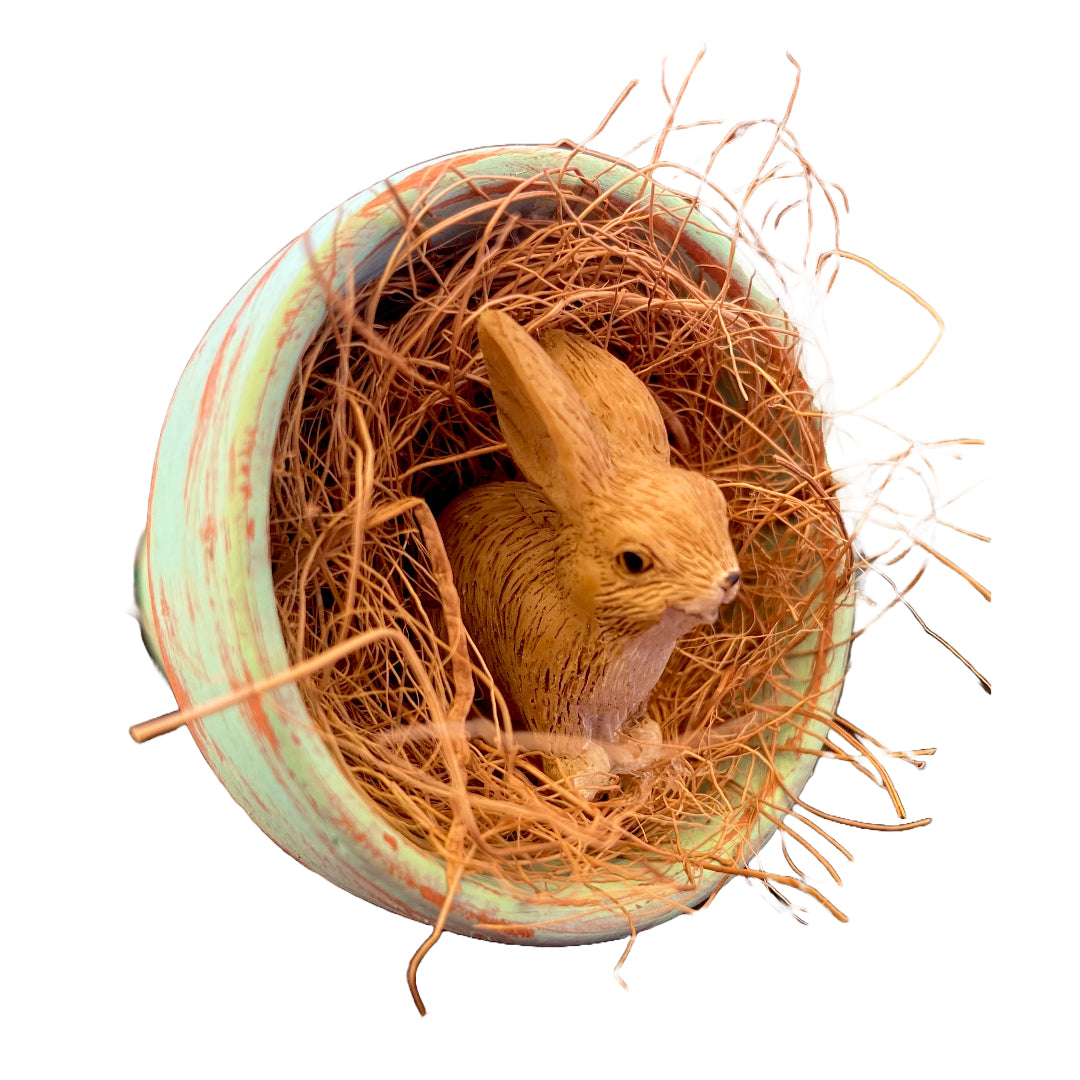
208, 601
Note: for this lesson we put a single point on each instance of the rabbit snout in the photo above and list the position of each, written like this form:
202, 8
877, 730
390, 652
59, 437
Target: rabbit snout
731, 588
707, 610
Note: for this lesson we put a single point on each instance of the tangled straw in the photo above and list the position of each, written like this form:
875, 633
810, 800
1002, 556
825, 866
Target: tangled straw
390, 416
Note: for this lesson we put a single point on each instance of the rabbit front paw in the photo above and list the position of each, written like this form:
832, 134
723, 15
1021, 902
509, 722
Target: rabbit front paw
588, 772
643, 746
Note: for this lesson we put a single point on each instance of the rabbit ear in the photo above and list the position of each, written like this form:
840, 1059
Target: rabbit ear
551, 434
623, 405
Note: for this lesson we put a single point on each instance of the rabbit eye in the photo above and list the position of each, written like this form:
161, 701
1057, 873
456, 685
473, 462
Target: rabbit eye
633, 562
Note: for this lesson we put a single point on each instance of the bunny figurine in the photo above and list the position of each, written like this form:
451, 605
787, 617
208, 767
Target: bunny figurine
576, 585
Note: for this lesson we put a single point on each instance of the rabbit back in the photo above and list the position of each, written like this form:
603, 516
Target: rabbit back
505, 545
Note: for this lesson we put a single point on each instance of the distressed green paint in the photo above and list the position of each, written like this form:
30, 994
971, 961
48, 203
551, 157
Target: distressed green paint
206, 596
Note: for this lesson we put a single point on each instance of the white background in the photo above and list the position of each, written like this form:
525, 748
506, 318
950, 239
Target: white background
157, 157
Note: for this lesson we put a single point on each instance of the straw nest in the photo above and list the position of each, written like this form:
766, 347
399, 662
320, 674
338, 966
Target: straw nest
390, 416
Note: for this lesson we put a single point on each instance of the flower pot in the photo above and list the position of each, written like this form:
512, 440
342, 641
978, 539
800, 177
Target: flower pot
208, 602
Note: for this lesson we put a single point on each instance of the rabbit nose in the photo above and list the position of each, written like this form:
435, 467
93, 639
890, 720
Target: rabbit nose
730, 586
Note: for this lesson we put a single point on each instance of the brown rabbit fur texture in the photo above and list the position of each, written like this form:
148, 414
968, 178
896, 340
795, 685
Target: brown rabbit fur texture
576, 585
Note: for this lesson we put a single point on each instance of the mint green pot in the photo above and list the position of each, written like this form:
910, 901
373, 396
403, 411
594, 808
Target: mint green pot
207, 599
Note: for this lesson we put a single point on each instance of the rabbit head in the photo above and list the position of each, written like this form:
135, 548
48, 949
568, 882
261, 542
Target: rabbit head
643, 543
